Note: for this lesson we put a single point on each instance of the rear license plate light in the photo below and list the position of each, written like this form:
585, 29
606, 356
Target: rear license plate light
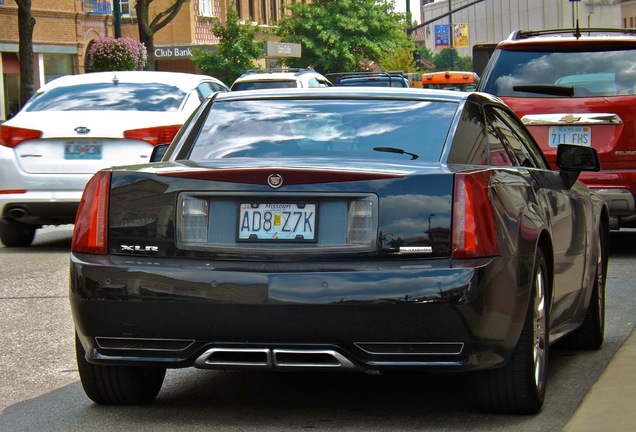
194, 220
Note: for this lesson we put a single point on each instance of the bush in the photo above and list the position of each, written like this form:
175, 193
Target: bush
109, 54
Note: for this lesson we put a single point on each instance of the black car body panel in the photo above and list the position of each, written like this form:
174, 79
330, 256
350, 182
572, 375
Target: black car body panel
381, 278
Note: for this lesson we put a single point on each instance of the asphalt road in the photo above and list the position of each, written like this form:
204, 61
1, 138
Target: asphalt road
40, 389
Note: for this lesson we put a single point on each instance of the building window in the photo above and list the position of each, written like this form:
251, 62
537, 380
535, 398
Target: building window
208, 8
127, 8
97, 7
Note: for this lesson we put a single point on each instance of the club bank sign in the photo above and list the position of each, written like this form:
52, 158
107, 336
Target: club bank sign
175, 52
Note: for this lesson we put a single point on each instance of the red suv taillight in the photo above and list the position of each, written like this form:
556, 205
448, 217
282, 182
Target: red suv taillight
474, 233
12, 136
91, 223
154, 135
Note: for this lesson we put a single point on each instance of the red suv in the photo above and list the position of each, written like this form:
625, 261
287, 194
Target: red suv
576, 86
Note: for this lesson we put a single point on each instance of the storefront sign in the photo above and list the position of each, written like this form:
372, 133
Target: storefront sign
282, 49
175, 52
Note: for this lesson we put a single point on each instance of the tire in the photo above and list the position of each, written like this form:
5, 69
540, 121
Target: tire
591, 333
118, 385
16, 234
519, 386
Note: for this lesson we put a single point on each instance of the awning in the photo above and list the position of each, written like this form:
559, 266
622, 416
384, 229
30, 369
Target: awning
10, 64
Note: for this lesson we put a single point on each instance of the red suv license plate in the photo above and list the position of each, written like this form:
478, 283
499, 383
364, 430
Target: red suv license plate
581, 135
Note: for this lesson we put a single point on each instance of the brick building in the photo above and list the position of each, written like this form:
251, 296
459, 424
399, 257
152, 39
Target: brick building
192, 28
62, 32
65, 29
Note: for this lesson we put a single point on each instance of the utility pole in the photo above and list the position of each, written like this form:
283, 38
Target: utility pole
451, 30
117, 18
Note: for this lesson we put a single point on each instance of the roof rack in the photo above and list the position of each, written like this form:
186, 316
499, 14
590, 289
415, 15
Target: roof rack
576, 32
278, 70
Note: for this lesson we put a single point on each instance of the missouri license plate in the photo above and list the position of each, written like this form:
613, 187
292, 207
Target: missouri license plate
581, 135
278, 222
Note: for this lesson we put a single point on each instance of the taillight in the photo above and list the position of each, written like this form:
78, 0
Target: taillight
12, 136
154, 135
474, 233
91, 223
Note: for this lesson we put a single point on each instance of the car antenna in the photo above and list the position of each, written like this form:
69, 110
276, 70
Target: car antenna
575, 15
115, 79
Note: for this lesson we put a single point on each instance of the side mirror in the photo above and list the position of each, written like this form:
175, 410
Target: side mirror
158, 152
572, 157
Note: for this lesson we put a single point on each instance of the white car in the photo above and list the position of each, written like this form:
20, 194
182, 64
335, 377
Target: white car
78, 124
260, 79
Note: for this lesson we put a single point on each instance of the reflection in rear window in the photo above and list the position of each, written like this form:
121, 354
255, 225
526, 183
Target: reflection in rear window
110, 97
401, 130
589, 73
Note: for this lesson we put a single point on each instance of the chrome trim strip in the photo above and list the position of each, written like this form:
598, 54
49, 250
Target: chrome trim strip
565, 119
430, 344
144, 341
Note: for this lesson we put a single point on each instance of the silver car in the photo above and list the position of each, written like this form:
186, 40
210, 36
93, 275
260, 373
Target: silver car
77, 125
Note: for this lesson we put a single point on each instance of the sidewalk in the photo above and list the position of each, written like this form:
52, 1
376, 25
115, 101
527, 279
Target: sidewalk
610, 404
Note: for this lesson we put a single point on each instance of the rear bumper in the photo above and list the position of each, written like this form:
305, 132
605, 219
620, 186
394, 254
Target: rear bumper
344, 316
41, 208
618, 189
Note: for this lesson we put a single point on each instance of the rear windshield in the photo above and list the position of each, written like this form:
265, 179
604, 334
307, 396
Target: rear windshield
109, 97
262, 85
386, 129
586, 73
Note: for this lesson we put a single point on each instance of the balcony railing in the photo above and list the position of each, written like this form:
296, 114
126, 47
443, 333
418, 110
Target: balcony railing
96, 7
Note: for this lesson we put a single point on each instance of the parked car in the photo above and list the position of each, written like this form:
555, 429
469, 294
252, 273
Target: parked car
343, 229
74, 126
258, 79
450, 80
372, 79
576, 86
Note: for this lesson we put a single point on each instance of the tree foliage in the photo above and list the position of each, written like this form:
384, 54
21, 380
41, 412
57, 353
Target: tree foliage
339, 35
148, 28
237, 49
449, 59
400, 60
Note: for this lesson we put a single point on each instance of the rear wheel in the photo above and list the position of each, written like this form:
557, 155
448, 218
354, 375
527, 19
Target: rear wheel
16, 234
592, 332
519, 386
118, 385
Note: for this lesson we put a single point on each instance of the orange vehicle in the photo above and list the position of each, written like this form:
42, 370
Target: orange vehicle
450, 80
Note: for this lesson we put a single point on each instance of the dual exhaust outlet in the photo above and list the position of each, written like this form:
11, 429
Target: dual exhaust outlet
281, 359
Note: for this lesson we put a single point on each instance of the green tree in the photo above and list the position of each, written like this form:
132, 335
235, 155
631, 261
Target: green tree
237, 49
401, 60
339, 35
449, 59
148, 28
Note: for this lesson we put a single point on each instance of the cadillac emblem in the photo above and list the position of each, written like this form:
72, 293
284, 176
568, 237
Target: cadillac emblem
275, 180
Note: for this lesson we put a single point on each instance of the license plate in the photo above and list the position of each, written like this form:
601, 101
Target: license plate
277, 222
82, 150
581, 135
